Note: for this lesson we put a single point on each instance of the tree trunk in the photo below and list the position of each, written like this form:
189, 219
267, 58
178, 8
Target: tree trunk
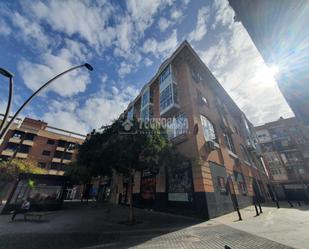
131, 215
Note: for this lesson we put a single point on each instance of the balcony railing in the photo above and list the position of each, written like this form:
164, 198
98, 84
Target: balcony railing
7, 153
15, 140
28, 142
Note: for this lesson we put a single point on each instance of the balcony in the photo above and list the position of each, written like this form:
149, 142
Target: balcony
58, 148
21, 155
56, 160
15, 140
7, 153
28, 142
66, 161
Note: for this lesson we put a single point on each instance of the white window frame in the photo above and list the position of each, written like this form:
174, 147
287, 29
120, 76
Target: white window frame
208, 129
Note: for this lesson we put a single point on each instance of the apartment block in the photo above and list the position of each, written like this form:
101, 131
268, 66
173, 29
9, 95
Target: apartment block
285, 148
207, 126
52, 148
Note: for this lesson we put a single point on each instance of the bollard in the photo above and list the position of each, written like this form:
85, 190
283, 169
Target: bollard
238, 212
227, 247
260, 207
291, 205
256, 210
277, 203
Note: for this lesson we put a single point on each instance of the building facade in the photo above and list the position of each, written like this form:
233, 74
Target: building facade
51, 148
285, 149
279, 31
206, 126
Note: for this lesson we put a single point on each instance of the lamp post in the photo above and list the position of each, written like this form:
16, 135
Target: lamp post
7, 127
8, 107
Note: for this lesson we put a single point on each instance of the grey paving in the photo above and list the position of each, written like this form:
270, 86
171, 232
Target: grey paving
98, 227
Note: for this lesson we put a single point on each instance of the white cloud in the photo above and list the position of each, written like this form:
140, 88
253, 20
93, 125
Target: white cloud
161, 48
124, 69
100, 109
201, 26
5, 29
148, 62
142, 12
164, 23
224, 14
35, 74
104, 78
30, 32
238, 66
83, 18
176, 14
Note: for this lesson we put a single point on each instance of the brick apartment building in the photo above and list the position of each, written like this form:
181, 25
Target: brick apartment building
210, 129
50, 147
285, 147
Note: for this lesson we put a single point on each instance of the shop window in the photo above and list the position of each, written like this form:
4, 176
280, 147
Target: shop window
221, 184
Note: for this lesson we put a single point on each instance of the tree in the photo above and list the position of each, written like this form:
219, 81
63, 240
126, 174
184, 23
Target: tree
126, 151
11, 169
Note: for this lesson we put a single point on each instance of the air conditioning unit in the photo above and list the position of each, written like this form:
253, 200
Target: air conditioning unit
210, 145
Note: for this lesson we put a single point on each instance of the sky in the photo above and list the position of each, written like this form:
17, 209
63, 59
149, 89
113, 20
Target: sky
125, 42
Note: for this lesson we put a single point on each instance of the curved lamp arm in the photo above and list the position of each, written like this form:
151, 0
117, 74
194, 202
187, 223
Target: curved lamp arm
8, 107
3, 132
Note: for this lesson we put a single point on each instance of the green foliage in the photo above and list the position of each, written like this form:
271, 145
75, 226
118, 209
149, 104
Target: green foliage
10, 170
78, 174
126, 152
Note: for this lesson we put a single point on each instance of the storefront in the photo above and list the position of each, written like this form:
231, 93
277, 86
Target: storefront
45, 192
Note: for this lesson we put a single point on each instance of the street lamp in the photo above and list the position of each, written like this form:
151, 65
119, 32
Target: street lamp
6, 73
8, 107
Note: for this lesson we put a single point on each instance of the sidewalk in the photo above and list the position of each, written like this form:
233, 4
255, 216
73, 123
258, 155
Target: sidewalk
289, 226
98, 227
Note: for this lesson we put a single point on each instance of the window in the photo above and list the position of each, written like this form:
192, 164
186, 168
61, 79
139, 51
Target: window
58, 154
202, 98
18, 134
11, 147
145, 98
24, 149
166, 97
29, 136
208, 128
178, 126
245, 153
145, 114
50, 141
62, 143
165, 74
306, 154
221, 184
46, 153
130, 113
229, 142
67, 156
236, 130
42, 165
246, 124
196, 76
